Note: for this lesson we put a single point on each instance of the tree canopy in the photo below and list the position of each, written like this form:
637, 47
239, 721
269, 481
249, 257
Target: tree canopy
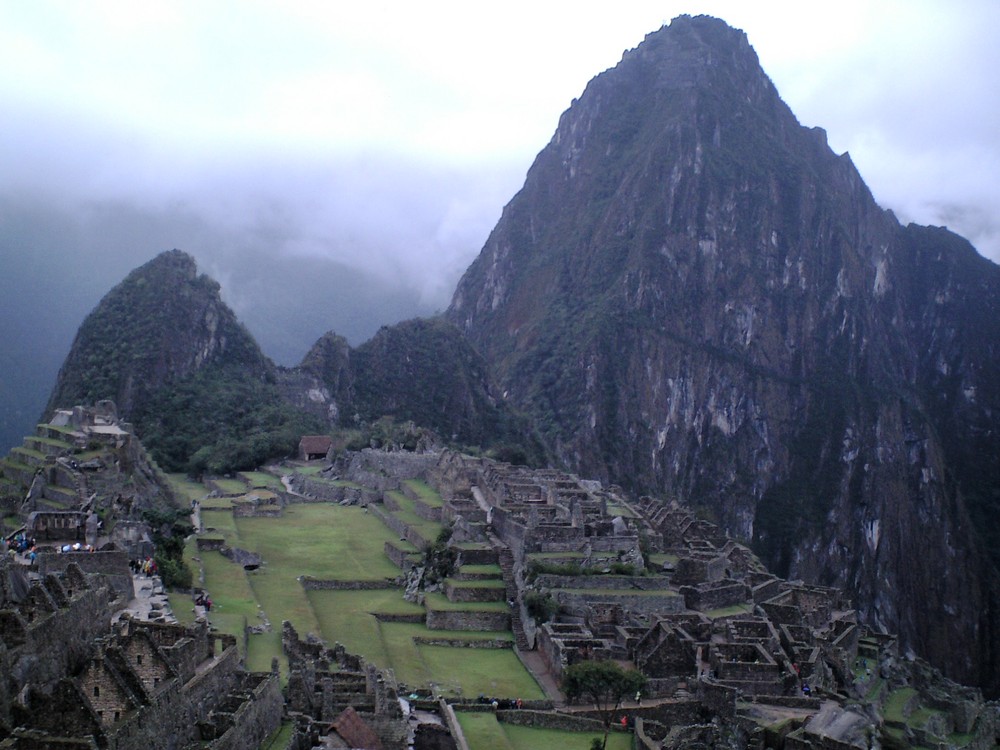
605, 684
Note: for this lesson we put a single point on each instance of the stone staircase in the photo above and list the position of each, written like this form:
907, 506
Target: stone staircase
506, 560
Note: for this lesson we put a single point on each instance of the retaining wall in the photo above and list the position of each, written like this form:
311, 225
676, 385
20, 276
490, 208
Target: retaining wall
438, 619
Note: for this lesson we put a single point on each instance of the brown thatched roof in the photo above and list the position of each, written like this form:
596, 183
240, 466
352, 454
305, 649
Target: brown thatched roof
312, 444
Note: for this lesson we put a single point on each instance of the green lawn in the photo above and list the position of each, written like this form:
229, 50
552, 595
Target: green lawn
320, 540
894, 705
347, 617
327, 542
279, 741
426, 493
186, 487
222, 522
483, 732
736, 609
428, 530
487, 671
261, 479
230, 486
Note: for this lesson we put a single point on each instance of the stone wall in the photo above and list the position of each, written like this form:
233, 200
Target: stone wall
551, 720
398, 527
715, 596
317, 584
668, 603
479, 555
112, 564
460, 593
44, 649
491, 643
401, 558
611, 582
438, 619
258, 717
385, 471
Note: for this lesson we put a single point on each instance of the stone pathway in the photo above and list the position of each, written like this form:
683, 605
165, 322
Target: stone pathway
540, 671
149, 601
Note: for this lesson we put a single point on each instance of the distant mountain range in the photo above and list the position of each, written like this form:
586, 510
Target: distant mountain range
693, 297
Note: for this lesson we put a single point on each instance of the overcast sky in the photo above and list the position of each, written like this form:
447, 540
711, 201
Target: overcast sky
383, 139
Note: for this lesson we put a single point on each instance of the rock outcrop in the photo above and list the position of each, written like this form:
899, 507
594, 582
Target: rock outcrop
694, 297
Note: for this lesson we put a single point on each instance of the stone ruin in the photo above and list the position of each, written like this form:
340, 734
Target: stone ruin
733, 655
70, 679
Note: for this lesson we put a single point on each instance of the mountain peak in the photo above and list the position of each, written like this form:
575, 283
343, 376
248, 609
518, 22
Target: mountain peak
163, 322
695, 298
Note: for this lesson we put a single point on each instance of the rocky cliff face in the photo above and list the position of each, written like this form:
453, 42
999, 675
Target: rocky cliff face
694, 297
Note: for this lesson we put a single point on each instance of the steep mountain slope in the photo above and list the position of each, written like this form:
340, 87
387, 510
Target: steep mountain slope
694, 297
173, 357
420, 370
164, 346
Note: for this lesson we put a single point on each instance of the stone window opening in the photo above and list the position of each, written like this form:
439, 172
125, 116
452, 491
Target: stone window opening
97, 691
138, 659
117, 715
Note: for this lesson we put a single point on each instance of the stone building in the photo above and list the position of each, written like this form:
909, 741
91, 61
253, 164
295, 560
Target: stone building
71, 679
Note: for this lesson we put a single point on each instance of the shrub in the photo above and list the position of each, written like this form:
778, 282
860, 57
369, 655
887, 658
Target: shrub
541, 606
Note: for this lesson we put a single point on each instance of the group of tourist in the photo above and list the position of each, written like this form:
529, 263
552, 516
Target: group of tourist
75, 547
146, 567
22, 544
204, 600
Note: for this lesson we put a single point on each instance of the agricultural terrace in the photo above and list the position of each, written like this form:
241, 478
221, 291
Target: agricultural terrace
483, 732
321, 542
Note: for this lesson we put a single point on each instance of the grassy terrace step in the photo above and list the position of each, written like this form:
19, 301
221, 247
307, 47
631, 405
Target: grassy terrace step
427, 494
478, 572
28, 456
357, 620
614, 509
187, 488
229, 486
217, 503
49, 445
64, 494
658, 558
427, 530
732, 611
482, 731
261, 480
267, 496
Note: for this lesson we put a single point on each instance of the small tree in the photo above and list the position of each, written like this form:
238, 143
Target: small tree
603, 683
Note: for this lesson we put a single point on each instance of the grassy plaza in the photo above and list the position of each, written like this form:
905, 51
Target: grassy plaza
482, 731
329, 542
